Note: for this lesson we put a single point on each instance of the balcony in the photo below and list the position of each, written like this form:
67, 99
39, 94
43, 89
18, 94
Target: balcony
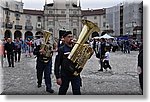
18, 27
28, 28
9, 25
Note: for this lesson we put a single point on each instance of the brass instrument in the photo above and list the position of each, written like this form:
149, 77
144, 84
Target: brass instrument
46, 47
81, 52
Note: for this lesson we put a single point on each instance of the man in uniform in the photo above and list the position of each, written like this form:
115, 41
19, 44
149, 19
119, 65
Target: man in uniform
61, 70
44, 64
140, 66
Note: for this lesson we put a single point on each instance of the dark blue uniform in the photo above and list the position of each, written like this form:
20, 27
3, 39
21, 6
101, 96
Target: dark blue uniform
41, 67
65, 73
140, 64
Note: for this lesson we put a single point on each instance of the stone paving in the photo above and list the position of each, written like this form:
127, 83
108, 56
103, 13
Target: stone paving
122, 80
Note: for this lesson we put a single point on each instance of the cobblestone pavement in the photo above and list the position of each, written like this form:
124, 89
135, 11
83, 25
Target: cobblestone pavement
123, 78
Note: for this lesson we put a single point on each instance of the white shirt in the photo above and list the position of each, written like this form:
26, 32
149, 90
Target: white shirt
107, 56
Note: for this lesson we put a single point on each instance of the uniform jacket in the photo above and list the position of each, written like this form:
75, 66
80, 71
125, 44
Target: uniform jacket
62, 63
39, 56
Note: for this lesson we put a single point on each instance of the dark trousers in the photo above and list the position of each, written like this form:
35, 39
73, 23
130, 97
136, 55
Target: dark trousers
141, 81
46, 68
75, 82
101, 61
106, 64
10, 58
17, 55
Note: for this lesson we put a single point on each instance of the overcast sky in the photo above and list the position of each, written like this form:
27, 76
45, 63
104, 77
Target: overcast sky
85, 4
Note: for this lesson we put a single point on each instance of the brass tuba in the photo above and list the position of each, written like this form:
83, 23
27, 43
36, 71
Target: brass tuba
46, 47
81, 52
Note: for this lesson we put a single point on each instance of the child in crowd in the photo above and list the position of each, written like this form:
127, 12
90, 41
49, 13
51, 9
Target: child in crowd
106, 60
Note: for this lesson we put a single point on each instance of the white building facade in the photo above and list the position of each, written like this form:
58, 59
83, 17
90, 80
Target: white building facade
96, 16
122, 19
113, 19
19, 22
132, 18
63, 14
126, 19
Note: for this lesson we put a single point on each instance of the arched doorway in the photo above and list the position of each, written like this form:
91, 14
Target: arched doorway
103, 33
28, 34
38, 34
17, 34
8, 34
94, 34
75, 32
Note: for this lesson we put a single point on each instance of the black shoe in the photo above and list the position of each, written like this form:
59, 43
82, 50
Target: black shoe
50, 90
39, 85
9, 66
12, 66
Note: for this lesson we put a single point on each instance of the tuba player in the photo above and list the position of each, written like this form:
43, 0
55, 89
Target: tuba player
43, 53
61, 70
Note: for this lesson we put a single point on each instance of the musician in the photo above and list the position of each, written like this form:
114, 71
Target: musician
61, 70
44, 64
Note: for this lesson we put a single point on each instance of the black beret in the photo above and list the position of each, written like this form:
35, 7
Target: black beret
67, 33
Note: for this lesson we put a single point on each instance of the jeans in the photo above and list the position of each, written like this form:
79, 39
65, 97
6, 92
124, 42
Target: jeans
17, 58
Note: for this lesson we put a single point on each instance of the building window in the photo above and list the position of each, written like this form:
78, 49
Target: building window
95, 17
28, 17
51, 30
17, 7
85, 18
17, 22
7, 13
6, 4
17, 15
62, 12
74, 12
67, 5
50, 12
50, 22
39, 19
74, 23
28, 23
104, 24
104, 16
74, 31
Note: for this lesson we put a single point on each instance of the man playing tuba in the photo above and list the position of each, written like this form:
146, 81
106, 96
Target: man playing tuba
43, 52
73, 58
62, 71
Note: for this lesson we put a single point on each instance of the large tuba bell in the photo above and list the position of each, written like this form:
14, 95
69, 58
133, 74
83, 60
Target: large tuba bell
46, 46
81, 52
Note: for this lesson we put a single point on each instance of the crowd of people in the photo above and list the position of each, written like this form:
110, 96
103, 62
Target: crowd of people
12, 49
102, 47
